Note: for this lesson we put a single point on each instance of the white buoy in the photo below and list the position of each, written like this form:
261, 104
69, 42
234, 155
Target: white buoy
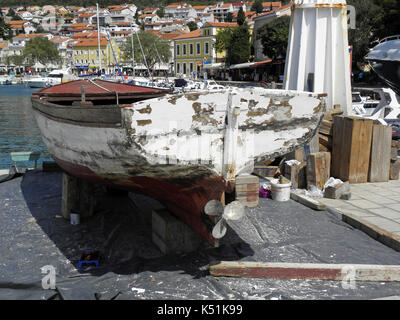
318, 57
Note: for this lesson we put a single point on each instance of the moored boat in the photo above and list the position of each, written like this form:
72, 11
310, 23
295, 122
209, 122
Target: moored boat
385, 61
184, 150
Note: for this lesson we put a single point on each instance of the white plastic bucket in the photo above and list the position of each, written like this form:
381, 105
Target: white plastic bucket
280, 192
75, 218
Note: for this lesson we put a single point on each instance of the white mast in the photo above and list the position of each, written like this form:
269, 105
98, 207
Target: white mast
133, 53
98, 37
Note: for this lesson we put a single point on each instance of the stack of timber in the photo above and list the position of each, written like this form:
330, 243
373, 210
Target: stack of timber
325, 132
394, 160
247, 190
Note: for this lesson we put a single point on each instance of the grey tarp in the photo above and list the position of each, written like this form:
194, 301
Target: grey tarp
33, 234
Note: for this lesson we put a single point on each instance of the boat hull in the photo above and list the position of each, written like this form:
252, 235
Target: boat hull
388, 71
37, 84
175, 148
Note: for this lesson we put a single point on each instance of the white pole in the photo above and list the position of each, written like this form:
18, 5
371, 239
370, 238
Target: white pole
98, 37
133, 54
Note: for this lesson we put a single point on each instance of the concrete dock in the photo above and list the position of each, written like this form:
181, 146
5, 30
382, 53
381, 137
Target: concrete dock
373, 208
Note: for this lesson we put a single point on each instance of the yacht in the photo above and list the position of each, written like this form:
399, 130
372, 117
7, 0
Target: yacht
385, 61
53, 78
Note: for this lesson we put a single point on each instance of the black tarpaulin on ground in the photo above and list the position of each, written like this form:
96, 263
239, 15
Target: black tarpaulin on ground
34, 235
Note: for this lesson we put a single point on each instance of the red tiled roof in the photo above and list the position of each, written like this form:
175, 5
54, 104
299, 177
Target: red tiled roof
90, 42
193, 34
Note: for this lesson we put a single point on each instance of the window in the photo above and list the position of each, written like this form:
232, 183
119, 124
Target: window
191, 67
178, 68
206, 48
184, 50
178, 50
198, 48
184, 68
191, 49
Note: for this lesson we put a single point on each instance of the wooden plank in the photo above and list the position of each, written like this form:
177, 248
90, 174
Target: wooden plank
326, 127
307, 201
297, 175
266, 171
325, 140
318, 169
394, 170
310, 271
379, 168
351, 148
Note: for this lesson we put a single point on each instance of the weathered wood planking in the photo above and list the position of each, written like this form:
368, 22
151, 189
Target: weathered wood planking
318, 169
351, 148
379, 168
307, 201
336, 272
297, 175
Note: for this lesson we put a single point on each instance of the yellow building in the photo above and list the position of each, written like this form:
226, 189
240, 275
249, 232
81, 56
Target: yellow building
195, 51
86, 55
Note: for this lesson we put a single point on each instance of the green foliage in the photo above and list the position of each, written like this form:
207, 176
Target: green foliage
40, 49
223, 39
241, 18
257, 6
229, 17
369, 16
192, 26
239, 45
274, 37
160, 12
155, 49
5, 30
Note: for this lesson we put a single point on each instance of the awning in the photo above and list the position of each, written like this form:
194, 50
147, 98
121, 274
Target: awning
38, 65
219, 65
260, 63
241, 65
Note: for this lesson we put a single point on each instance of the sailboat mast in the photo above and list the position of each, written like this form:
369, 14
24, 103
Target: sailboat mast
98, 37
133, 53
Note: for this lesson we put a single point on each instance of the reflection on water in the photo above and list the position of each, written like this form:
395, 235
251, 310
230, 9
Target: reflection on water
18, 129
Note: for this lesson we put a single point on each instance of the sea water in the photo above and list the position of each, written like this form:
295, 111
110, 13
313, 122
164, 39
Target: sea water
18, 128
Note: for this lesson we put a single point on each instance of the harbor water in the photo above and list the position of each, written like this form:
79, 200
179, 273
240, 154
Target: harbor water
18, 129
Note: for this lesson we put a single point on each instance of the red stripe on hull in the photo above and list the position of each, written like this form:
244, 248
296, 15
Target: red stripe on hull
183, 198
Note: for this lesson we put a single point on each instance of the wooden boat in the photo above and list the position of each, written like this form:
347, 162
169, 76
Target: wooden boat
184, 150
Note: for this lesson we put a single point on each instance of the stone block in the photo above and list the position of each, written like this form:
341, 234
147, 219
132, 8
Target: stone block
171, 235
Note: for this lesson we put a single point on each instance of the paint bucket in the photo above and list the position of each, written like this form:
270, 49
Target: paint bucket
75, 218
281, 192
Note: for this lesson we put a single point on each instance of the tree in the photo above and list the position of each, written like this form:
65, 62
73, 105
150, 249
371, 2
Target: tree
155, 50
192, 26
40, 49
368, 21
239, 45
160, 12
223, 39
241, 18
11, 13
5, 30
229, 17
257, 6
274, 37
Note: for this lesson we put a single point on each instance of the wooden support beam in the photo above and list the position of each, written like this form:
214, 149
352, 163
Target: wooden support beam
336, 272
318, 169
379, 167
307, 201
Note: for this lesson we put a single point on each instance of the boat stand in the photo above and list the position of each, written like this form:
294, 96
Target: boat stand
77, 197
